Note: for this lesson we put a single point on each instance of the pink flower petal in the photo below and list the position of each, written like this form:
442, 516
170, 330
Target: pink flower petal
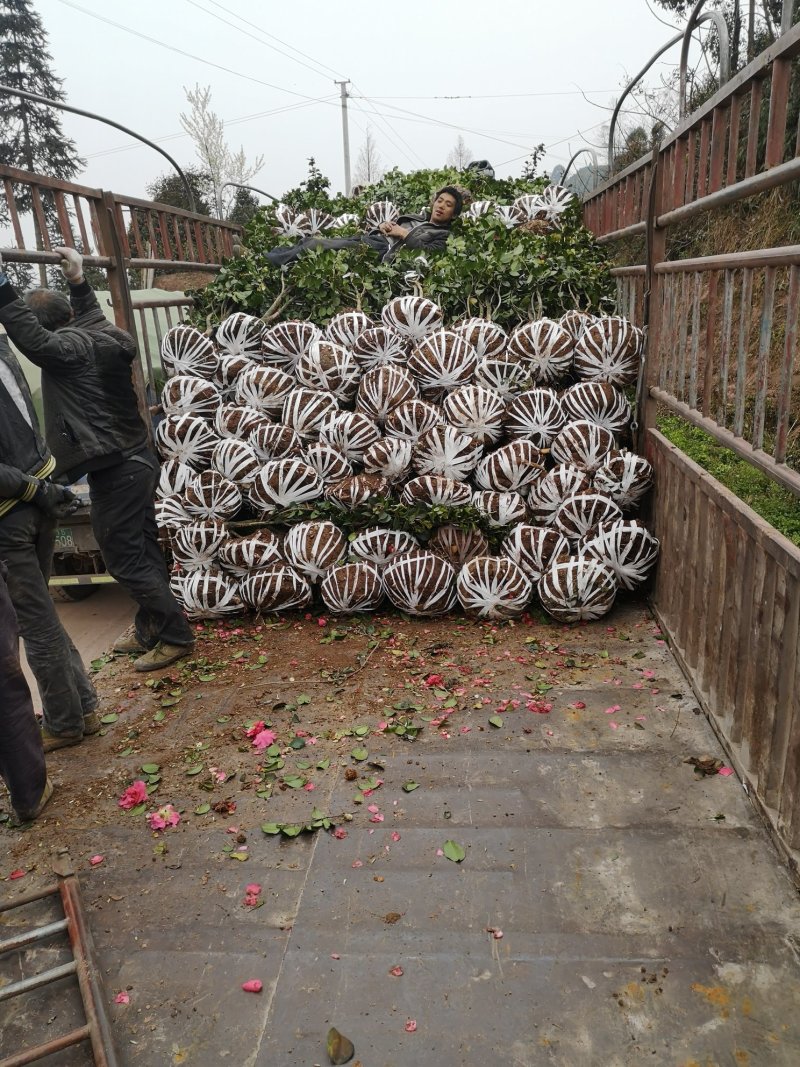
309, 786
395, 835
411, 1026
726, 772
340, 833
377, 817
96, 859
614, 725
612, 709
335, 956
254, 888
578, 704
357, 864
373, 808
252, 986
18, 873
396, 972
122, 998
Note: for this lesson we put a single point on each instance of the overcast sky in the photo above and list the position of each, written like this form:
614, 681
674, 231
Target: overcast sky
520, 63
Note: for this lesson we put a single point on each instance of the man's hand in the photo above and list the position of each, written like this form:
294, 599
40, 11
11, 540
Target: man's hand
55, 500
391, 229
71, 264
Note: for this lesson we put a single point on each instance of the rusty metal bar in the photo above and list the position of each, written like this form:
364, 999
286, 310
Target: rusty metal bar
85, 242
762, 369
30, 255
38, 214
725, 355
695, 350
169, 301
766, 464
37, 980
38, 1052
754, 121
784, 256
626, 231
787, 366
30, 898
139, 262
702, 169
28, 938
745, 311
778, 103
87, 970
733, 140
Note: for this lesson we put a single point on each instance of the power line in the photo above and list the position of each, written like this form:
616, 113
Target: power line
272, 36
181, 52
495, 96
390, 133
226, 122
425, 120
248, 33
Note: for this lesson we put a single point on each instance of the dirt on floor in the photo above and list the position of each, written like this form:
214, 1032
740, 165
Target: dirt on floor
334, 693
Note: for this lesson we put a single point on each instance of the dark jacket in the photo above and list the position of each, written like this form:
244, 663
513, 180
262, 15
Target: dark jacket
91, 417
24, 456
426, 236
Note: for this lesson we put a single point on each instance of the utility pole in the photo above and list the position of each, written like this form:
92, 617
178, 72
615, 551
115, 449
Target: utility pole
345, 137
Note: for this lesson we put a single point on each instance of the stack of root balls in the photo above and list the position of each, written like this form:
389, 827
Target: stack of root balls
527, 432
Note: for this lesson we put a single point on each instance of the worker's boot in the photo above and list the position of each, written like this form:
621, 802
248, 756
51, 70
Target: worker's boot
128, 643
50, 742
162, 656
29, 816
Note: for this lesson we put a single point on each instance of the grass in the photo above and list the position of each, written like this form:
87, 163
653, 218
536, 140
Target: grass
778, 506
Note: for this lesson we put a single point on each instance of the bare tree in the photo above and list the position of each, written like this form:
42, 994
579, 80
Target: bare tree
369, 165
459, 155
207, 130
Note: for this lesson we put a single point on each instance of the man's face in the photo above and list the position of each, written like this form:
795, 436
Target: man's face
444, 208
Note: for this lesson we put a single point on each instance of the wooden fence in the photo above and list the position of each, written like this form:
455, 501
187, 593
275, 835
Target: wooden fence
721, 352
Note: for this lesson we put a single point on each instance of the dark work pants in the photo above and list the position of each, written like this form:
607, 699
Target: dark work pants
124, 524
21, 755
279, 257
26, 547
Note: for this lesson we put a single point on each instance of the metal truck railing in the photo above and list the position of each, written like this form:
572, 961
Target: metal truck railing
115, 234
721, 353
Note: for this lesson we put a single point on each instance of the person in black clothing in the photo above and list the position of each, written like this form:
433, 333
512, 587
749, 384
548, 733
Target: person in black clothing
93, 425
423, 232
22, 765
30, 503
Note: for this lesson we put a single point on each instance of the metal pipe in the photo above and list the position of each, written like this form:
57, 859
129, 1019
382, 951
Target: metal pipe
8, 90
756, 183
595, 166
695, 19
627, 231
31, 936
33, 255
38, 1052
236, 185
787, 14
783, 256
763, 462
37, 980
636, 78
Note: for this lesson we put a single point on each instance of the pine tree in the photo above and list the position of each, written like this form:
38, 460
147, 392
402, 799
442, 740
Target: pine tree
31, 137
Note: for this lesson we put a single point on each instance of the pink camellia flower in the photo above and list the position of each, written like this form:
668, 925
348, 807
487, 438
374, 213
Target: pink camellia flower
256, 728
136, 793
263, 739
164, 817
395, 835
253, 888
122, 998
252, 986
340, 833
434, 680
539, 707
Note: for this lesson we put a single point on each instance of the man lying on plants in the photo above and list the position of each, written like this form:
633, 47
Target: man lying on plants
427, 232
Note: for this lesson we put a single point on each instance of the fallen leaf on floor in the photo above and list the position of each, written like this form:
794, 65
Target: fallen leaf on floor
705, 765
453, 851
340, 1048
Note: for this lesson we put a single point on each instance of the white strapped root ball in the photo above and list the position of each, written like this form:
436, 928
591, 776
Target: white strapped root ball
184, 350
420, 583
413, 316
352, 587
608, 351
313, 548
626, 546
577, 589
493, 587
277, 587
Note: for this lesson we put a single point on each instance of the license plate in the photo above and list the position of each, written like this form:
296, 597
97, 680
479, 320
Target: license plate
64, 538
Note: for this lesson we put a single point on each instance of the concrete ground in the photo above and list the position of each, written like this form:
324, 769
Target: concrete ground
613, 907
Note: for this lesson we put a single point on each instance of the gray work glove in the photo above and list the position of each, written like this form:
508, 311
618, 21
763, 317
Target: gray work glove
55, 500
71, 264
4, 279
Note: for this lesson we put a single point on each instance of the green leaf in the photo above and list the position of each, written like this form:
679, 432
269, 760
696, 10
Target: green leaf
159, 716
454, 851
303, 699
359, 754
206, 677
361, 731
192, 771
292, 829
150, 768
203, 809
410, 786
496, 721
294, 781
241, 856
169, 702
106, 720
138, 810
324, 764
297, 743
271, 828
